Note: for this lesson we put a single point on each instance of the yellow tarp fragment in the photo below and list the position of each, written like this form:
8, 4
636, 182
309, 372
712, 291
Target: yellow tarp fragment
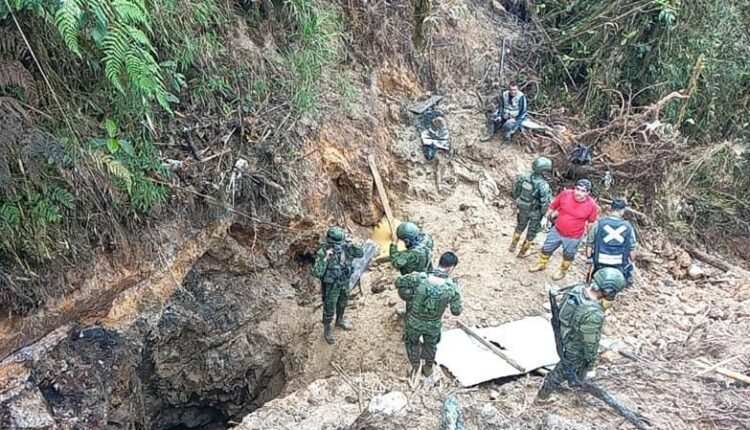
381, 234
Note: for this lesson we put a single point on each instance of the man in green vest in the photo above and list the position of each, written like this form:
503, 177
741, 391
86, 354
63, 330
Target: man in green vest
581, 322
428, 294
532, 196
333, 265
418, 254
509, 115
419, 246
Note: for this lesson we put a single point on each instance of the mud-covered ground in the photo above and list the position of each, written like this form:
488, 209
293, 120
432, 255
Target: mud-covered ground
664, 325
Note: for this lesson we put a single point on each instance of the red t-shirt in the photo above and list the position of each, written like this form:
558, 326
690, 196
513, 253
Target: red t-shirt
572, 215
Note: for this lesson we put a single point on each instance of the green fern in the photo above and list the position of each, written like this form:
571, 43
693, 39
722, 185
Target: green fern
67, 17
44, 213
114, 167
146, 194
132, 12
120, 30
139, 37
62, 196
101, 10
10, 216
115, 48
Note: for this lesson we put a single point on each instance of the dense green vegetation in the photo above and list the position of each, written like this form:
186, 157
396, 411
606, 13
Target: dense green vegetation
100, 81
642, 50
645, 49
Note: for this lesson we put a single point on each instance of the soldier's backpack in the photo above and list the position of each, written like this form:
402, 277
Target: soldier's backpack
526, 200
337, 269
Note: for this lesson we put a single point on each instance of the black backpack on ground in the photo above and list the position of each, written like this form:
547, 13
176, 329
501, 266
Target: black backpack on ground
581, 155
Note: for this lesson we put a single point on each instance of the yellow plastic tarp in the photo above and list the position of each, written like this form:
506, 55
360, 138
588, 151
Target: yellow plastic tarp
381, 234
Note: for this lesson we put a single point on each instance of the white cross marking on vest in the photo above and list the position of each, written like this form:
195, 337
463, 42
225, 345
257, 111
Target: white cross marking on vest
614, 234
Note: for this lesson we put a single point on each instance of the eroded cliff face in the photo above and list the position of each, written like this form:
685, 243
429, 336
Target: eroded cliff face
205, 334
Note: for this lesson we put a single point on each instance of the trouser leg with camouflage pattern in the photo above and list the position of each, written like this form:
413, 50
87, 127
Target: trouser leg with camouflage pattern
530, 219
556, 377
335, 299
421, 349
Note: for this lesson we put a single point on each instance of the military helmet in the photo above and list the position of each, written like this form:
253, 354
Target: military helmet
407, 231
541, 165
609, 281
336, 234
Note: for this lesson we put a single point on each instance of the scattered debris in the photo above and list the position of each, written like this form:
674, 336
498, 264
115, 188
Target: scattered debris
487, 187
695, 271
498, 8
388, 404
452, 417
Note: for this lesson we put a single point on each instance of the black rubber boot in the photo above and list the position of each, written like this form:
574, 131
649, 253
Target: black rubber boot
328, 334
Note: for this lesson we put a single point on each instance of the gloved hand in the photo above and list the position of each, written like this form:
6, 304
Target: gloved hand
544, 223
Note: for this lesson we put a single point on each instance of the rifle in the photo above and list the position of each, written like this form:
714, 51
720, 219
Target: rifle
590, 272
585, 384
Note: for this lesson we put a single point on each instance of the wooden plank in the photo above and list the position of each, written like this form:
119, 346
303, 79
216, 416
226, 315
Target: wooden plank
717, 365
725, 372
490, 346
381, 190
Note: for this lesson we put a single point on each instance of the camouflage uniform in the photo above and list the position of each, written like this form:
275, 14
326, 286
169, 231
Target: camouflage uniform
334, 274
581, 321
418, 258
429, 294
531, 215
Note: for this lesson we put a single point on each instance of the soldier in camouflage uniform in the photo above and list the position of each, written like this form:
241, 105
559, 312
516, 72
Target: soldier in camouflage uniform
418, 254
429, 294
532, 195
581, 321
333, 265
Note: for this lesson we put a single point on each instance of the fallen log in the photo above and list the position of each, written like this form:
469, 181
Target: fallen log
713, 261
490, 346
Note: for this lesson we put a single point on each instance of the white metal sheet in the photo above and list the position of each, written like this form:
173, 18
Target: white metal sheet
530, 342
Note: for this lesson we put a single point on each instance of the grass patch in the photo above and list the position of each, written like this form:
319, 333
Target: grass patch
314, 51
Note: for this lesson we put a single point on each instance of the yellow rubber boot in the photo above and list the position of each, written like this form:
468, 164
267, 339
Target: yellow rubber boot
543, 260
525, 247
514, 241
564, 267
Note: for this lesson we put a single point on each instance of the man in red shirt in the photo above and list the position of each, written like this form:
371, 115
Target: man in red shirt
570, 210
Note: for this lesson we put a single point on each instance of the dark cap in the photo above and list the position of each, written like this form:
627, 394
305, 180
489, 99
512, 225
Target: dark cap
585, 183
619, 204
448, 259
